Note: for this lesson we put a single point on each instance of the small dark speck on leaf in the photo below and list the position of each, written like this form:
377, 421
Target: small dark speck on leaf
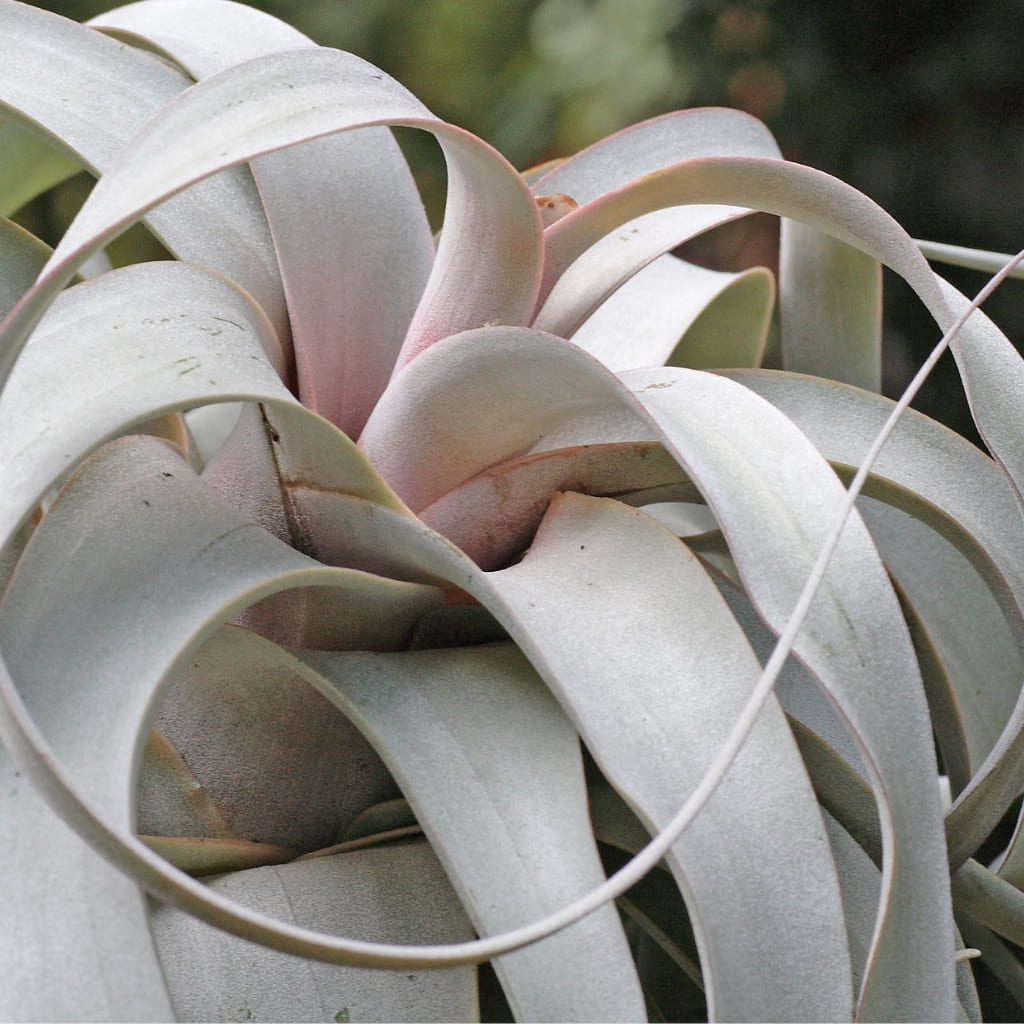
165, 473
583, 547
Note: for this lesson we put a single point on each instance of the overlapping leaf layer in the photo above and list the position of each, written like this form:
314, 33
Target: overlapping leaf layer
375, 598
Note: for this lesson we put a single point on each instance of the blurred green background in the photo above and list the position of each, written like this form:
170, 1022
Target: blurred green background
918, 104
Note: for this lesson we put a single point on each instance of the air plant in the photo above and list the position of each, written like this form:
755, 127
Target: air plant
371, 600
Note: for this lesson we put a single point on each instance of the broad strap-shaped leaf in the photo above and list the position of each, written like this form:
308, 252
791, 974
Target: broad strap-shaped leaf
992, 369
437, 425
227, 571
828, 751
55, 963
193, 529
677, 313
492, 767
356, 253
212, 975
570, 293
493, 515
867, 672
641, 149
626, 702
346, 338
652, 712
487, 266
122, 349
22, 257
932, 469
200, 36
756, 182
280, 766
29, 167
205, 549
962, 618
830, 305
791, 477
924, 469
977, 512
856, 838
46, 59
993, 377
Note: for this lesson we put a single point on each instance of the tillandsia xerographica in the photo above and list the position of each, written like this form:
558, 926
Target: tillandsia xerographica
375, 596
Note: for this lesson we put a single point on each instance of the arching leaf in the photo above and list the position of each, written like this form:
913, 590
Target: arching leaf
346, 338
45, 58
830, 298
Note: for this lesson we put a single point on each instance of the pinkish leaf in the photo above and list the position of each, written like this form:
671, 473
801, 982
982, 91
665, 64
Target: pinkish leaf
571, 293
488, 263
493, 516
345, 334
476, 399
